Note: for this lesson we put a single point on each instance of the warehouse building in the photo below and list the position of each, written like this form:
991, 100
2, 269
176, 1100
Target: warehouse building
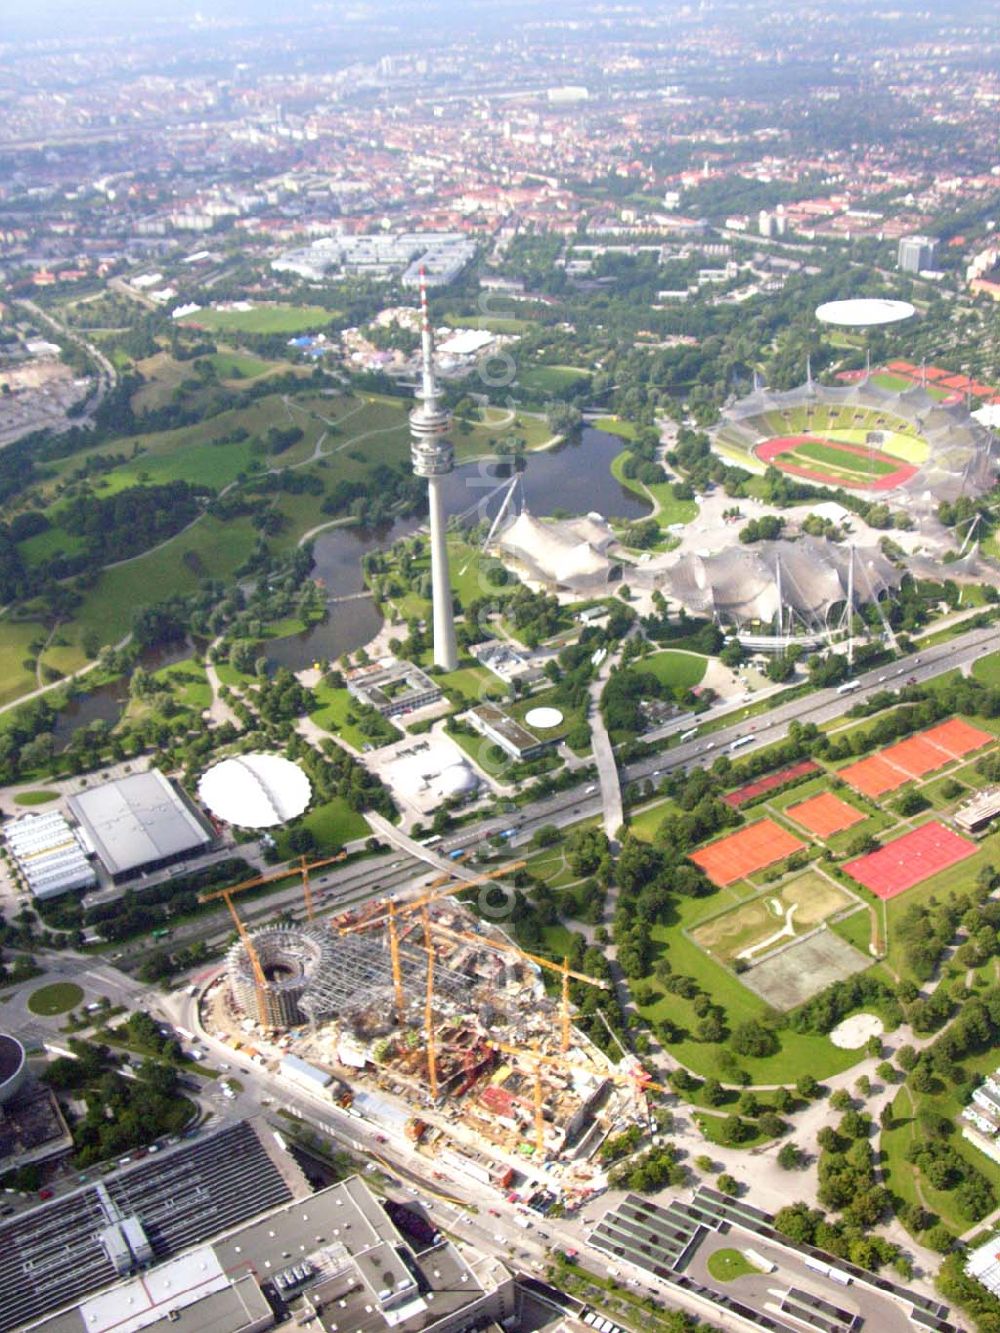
57, 1257
335, 1260
49, 855
138, 824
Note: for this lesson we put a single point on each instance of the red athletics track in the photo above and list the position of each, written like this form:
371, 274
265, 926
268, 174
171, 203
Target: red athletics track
914, 857
784, 444
741, 853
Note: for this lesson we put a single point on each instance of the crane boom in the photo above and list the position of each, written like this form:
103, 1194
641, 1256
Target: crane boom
425, 899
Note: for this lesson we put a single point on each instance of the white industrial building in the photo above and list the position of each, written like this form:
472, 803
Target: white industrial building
49, 855
424, 771
442, 254
138, 824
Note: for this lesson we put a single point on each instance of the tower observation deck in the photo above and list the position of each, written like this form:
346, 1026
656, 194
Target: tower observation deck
434, 457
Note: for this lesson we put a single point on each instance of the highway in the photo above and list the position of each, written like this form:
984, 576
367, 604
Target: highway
398, 871
818, 706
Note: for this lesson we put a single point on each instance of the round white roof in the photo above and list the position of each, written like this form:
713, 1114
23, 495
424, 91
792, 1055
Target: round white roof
864, 312
543, 717
255, 790
456, 780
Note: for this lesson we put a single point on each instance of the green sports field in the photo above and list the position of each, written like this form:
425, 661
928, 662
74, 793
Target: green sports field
840, 461
274, 317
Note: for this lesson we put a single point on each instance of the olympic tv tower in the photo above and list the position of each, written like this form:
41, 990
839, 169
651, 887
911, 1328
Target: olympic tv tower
433, 458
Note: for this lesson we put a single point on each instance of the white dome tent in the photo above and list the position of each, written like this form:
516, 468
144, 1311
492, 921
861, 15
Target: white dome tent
255, 790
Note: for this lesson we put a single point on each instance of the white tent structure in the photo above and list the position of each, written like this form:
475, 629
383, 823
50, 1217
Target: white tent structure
568, 553
255, 790
804, 584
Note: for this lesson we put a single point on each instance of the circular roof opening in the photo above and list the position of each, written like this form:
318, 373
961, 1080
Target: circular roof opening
864, 312
255, 790
543, 718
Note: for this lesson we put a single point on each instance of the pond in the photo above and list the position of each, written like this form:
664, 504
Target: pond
575, 477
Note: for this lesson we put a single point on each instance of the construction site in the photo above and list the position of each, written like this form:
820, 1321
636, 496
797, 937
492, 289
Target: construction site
420, 1017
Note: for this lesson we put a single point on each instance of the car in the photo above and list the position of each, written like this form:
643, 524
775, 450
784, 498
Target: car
381, 1138
881, 679
911, 680
494, 1212
45, 1193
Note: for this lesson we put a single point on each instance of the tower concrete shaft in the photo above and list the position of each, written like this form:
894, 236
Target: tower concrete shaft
433, 457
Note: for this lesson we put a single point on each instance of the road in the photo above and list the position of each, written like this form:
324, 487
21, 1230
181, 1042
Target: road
819, 706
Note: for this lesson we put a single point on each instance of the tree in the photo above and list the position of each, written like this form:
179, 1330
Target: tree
727, 1184
712, 1092
790, 1157
807, 1087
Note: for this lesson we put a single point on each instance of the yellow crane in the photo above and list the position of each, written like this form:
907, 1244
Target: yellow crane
389, 918
565, 971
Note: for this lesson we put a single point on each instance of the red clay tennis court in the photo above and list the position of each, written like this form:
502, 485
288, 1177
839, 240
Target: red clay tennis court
957, 738
914, 757
825, 814
772, 783
914, 857
873, 776
745, 851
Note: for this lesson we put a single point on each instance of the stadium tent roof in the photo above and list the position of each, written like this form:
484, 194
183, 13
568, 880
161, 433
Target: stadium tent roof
864, 312
566, 551
255, 790
808, 577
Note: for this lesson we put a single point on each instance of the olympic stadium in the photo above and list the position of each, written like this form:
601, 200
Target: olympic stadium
908, 444
778, 592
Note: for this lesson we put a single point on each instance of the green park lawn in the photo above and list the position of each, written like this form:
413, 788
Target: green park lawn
680, 670
210, 548
35, 797
551, 380
272, 317
471, 684
644, 823
57, 998
242, 366
333, 823
856, 929
902, 1178
185, 682
798, 1051
44, 545
987, 669
617, 426
668, 509
727, 1265
335, 708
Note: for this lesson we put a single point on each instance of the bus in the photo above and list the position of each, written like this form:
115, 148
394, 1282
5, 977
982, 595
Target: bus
689, 735
430, 842
849, 686
739, 743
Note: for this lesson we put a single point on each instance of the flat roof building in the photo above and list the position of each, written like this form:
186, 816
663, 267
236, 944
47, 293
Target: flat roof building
973, 815
153, 1211
506, 732
335, 1259
400, 688
139, 823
